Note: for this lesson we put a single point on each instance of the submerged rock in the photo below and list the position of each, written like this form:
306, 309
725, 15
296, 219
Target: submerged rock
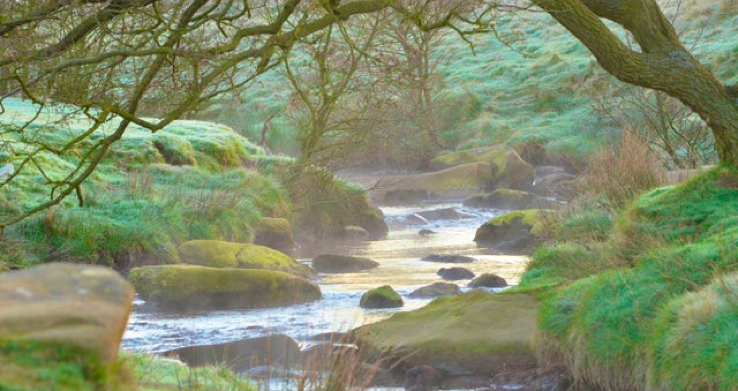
273, 351
455, 273
275, 233
220, 254
436, 290
382, 297
444, 258
426, 232
183, 287
82, 307
441, 214
473, 333
488, 280
331, 263
416, 219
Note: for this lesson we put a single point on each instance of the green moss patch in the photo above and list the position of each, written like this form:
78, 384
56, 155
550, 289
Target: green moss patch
382, 297
477, 332
192, 287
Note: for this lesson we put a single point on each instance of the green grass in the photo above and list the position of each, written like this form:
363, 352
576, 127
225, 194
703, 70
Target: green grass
618, 313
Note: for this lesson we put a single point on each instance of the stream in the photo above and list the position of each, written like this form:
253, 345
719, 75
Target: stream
400, 266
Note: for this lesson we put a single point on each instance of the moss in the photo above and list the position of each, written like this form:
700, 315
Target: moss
175, 150
189, 287
511, 225
477, 331
382, 297
695, 342
275, 233
31, 366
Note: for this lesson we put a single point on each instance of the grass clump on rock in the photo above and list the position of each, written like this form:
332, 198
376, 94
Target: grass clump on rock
382, 297
192, 287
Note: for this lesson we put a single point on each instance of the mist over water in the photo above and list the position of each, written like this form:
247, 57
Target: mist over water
400, 266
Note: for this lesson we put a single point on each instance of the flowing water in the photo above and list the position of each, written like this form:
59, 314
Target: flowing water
400, 266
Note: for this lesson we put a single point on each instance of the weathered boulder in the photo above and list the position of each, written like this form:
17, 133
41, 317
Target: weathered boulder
382, 297
508, 169
78, 306
515, 232
475, 332
436, 290
507, 199
459, 181
275, 233
353, 232
331, 263
488, 280
455, 273
448, 258
556, 184
184, 287
270, 351
220, 254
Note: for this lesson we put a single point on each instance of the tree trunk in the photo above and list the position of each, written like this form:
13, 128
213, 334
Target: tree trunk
663, 63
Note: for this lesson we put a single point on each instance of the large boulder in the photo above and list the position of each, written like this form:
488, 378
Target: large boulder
274, 351
559, 184
436, 290
442, 214
331, 263
275, 233
508, 168
220, 254
455, 273
382, 297
77, 306
182, 287
517, 231
459, 181
476, 332
507, 199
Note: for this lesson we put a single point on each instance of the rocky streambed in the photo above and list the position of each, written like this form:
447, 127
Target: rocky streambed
401, 266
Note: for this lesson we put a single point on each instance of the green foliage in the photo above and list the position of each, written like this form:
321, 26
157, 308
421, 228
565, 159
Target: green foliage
587, 225
630, 313
151, 373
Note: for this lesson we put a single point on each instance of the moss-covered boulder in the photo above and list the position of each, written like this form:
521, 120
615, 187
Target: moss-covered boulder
508, 168
275, 233
331, 263
507, 199
516, 231
197, 287
475, 332
77, 307
382, 297
220, 254
436, 290
459, 181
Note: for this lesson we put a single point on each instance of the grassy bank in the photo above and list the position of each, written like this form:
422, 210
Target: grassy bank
650, 303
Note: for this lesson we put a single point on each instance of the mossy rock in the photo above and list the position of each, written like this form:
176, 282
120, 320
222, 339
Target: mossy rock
220, 254
382, 297
176, 151
275, 233
488, 280
515, 231
475, 332
196, 287
331, 263
456, 181
507, 199
508, 168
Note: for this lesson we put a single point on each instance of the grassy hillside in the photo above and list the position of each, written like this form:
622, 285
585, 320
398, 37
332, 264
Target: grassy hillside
650, 304
191, 180
532, 87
